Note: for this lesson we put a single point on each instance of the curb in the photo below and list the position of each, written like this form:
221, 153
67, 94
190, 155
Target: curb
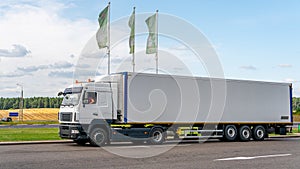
36, 142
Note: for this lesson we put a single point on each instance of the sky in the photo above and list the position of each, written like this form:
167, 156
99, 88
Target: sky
41, 42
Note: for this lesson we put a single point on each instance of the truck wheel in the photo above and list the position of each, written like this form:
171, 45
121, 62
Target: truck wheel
98, 137
81, 142
230, 133
259, 133
157, 136
245, 133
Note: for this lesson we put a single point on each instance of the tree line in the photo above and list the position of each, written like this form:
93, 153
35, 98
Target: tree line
33, 102
296, 104
54, 102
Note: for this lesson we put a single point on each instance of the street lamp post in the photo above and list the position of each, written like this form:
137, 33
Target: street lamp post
21, 103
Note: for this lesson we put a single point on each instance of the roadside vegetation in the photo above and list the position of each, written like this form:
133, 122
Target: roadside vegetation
29, 103
29, 122
296, 105
28, 134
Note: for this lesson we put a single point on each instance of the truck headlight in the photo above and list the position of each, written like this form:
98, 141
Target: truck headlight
76, 117
74, 131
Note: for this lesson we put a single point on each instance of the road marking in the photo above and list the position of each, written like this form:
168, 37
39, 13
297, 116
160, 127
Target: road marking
152, 146
251, 158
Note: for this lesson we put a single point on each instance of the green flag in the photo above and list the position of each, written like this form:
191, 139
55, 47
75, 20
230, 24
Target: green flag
152, 38
131, 24
101, 36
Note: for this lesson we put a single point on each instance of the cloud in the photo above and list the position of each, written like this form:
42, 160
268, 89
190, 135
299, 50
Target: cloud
117, 60
64, 74
60, 65
96, 55
82, 66
16, 51
32, 68
289, 80
249, 67
285, 65
54, 38
9, 89
57, 65
13, 74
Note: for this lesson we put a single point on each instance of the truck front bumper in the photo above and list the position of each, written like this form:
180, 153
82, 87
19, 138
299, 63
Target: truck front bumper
74, 132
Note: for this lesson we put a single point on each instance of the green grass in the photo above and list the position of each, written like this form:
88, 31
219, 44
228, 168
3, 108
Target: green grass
295, 130
28, 134
28, 122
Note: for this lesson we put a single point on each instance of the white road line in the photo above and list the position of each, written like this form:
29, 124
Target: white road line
152, 146
250, 158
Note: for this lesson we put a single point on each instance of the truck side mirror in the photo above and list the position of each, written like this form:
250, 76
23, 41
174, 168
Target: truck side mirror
60, 93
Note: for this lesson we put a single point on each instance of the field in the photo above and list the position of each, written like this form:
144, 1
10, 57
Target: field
43, 114
47, 114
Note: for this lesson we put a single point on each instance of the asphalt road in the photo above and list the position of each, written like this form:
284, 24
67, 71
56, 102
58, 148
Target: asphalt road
272, 153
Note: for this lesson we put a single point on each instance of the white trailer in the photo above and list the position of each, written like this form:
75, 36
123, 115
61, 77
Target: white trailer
142, 107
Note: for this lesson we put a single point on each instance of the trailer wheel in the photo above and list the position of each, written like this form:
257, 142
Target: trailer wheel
98, 137
259, 133
245, 133
157, 136
230, 133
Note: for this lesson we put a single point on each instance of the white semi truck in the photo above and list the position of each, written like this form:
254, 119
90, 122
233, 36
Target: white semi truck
141, 107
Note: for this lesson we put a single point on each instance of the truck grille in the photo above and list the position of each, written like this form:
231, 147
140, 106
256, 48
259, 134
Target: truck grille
66, 116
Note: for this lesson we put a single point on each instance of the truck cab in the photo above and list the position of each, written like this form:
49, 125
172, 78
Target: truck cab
84, 104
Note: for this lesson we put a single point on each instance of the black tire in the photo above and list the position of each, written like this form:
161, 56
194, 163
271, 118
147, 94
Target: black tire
245, 133
230, 133
157, 136
81, 142
259, 133
98, 137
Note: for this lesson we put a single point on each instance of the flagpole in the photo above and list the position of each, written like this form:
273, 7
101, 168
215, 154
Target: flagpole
133, 53
108, 40
133, 62
156, 54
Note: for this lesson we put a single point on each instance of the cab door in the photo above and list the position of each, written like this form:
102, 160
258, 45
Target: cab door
89, 109
105, 105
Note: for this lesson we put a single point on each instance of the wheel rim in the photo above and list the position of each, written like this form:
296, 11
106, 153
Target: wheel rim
246, 133
260, 133
231, 132
157, 136
99, 137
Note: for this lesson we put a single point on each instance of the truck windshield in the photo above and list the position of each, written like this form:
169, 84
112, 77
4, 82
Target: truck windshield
71, 96
71, 99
